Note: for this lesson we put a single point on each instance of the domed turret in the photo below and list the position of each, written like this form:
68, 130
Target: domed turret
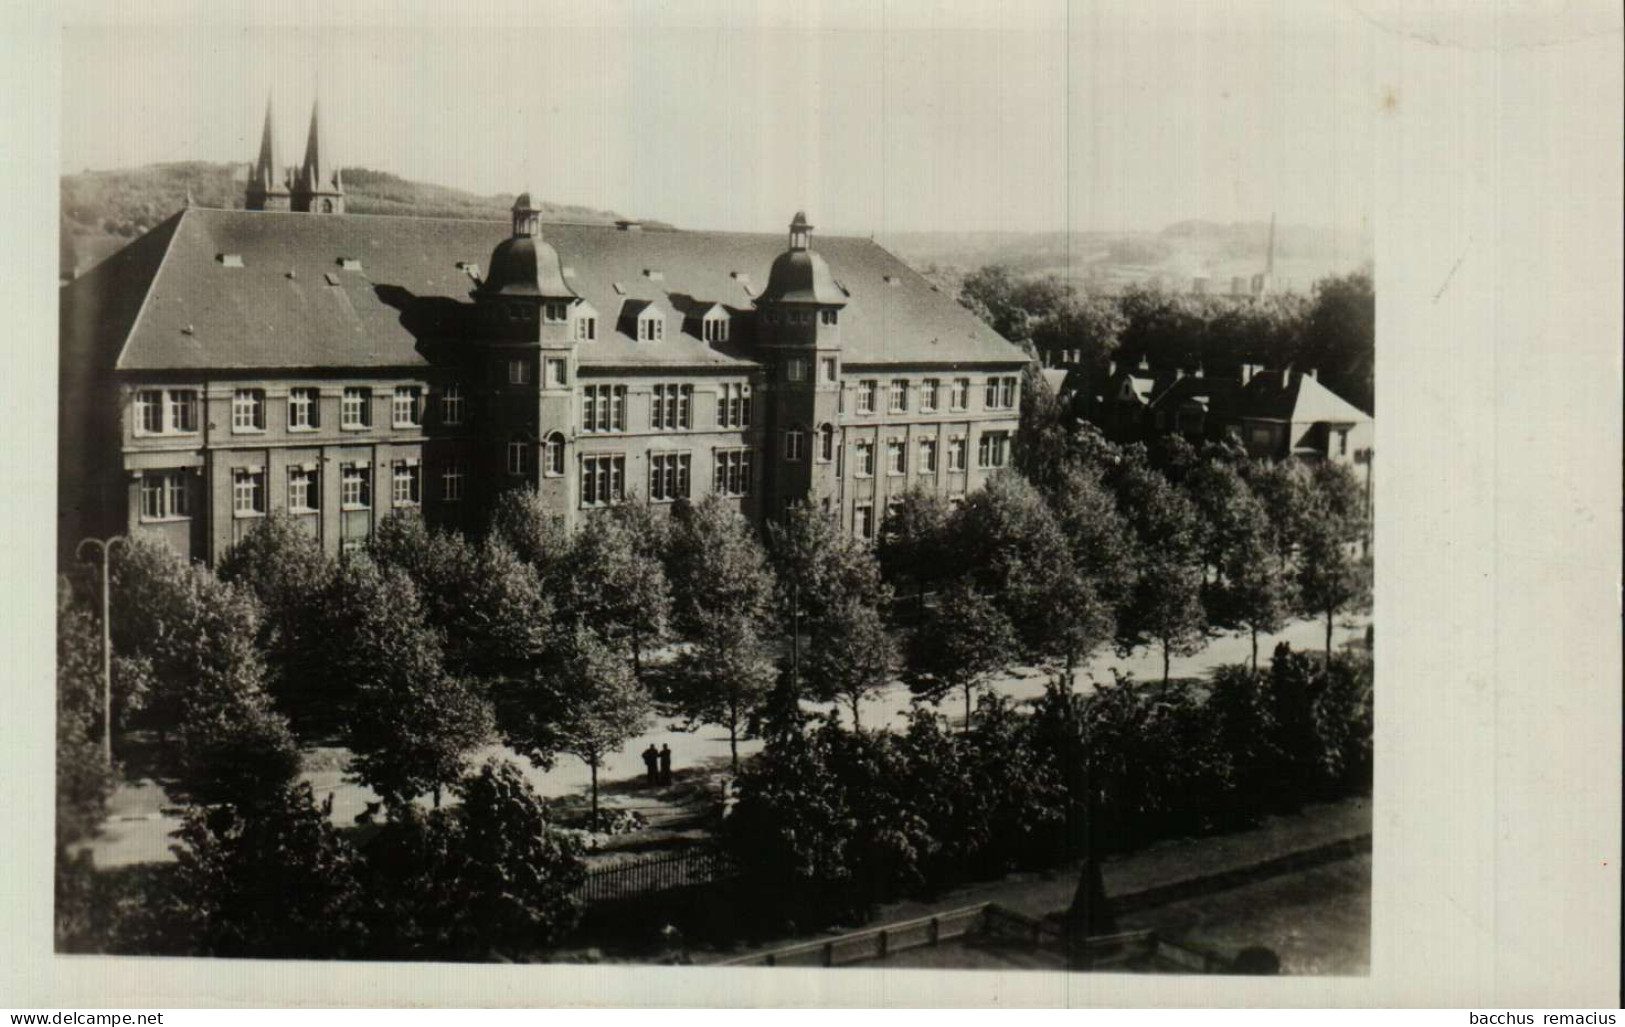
523, 264
799, 275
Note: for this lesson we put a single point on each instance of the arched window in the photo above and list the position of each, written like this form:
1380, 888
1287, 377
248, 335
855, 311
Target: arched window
553, 464
826, 442
327, 206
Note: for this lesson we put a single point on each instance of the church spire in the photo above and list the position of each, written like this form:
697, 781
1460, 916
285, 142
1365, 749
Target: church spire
266, 188
318, 188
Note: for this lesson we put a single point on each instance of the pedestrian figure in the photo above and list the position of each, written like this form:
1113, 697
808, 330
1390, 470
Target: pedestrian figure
665, 764
651, 763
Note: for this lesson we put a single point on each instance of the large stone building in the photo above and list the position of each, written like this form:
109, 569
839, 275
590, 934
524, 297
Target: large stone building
343, 367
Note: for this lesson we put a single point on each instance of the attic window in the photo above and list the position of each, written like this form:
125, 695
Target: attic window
332, 279
620, 290
739, 276
230, 259
654, 275
893, 280
349, 264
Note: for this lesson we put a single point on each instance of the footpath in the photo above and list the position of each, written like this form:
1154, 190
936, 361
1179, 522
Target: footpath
1178, 870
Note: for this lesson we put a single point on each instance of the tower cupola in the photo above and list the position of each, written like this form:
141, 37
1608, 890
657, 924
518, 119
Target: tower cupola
525, 264
799, 275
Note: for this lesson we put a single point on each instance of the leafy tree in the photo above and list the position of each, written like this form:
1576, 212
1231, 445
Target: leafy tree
1165, 608
617, 585
275, 881
1096, 533
822, 827
192, 639
84, 781
715, 562
1011, 305
1087, 326
584, 701
490, 875
912, 538
1339, 337
1284, 488
820, 568
283, 565
1229, 513
1009, 543
725, 678
1161, 328
526, 523
966, 640
412, 724
850, 658
1331, 574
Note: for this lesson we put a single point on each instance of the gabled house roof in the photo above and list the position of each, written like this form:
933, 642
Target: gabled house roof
1296, 397
291, 305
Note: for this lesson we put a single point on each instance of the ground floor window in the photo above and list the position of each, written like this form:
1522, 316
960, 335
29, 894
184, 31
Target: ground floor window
302, 489
248, 492
863, 521
668, 476
993, 449
406, 483
603, 480
731, 475
355, 487
164, 495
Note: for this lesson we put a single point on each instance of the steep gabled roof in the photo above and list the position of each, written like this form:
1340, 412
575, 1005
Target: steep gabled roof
291, 305
1295, 397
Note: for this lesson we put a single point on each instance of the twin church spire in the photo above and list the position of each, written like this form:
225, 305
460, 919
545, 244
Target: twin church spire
313, 187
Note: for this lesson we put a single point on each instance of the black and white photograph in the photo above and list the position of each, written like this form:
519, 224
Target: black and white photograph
885, 487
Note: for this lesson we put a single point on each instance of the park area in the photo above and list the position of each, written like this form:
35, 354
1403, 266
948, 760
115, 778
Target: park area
142, 818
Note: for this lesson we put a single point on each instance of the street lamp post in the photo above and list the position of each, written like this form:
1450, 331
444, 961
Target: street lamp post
106, 547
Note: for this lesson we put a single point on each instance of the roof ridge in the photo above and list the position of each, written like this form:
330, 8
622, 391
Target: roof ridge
152, 281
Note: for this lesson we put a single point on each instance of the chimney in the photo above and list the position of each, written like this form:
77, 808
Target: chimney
1145, 365
1179, 373
1313, 373
1111, 369
1247, 372
1286, 377
1198, 372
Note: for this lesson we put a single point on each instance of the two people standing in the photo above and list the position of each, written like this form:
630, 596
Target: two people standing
657, 764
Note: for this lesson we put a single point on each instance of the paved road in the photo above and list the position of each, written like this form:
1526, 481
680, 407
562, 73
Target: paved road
138, 831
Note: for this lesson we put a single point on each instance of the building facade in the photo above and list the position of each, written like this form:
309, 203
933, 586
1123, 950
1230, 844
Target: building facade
345, 367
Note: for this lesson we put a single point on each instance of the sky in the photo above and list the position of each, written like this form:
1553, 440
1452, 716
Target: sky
907, 115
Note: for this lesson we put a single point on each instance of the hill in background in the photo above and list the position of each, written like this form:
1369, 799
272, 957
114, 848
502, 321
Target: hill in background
1109, 262
104, 210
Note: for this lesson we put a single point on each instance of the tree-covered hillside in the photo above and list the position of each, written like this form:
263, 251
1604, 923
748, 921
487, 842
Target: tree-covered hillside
103, 210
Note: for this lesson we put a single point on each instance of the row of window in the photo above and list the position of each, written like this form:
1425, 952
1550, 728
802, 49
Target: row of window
992, 451
175, 411
827, 316
161, 411
1001, 393
248, 489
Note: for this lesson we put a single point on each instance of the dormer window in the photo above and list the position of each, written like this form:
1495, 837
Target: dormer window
714, 327
586, 329
651, 326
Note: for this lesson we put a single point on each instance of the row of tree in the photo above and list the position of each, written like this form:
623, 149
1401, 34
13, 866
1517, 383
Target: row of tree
1332, 330
831, 822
